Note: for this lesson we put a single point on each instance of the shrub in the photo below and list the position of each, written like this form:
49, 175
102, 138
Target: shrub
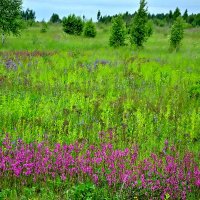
90, 29
177, 33
149, 27
73, 25
118, 32
159, 22
139, 30
44, 27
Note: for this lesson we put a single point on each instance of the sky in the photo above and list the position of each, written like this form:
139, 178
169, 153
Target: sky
89, 8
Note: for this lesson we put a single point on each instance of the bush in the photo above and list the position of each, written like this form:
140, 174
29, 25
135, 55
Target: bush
90, 29
159, 22
44, 27
177, 33
118, 32
149, 27
139, 30
73, 25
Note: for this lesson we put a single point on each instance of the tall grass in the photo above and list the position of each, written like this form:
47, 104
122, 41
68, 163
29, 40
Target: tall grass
63, 89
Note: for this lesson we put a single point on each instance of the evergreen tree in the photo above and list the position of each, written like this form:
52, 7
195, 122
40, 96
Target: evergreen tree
185, 15
118, 32
90, 29
170, 17
176, 14
98, 15
55, 18
177, 32
73, 25
139, 32
28, 16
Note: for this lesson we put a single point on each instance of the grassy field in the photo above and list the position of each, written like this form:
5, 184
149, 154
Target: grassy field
61, 89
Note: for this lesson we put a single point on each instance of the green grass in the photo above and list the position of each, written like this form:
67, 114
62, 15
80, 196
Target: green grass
145, 96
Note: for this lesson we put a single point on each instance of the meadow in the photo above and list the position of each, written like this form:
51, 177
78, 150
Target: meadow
74, 100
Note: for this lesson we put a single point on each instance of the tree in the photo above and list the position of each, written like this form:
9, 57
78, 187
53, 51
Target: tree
90, 29
197, 20
170, 17
177, 32
191, 19
55, 18
118, 32
98, 15
10, 17
185, 15
139, 31
176, 14
73, 25
28, 15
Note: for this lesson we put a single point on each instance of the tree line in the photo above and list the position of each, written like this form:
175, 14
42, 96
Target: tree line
160, 19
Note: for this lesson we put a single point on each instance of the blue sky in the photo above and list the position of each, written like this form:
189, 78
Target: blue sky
89, 8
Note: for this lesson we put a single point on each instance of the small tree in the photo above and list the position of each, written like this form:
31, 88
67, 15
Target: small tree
118, 32
10, 17
98, 15
177, 32
44, 27
139, 30
90, 29
55, 18
73, 25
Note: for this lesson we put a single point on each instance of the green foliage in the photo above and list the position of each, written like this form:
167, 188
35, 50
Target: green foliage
55, 18
118, 32
170, 17
177, 13
83, 191
90, 29
73, 25
177, 33
159, 22
139, 31
195, 90
149, 28
185, 15
44, 27
10, 17
28, 15
196, 21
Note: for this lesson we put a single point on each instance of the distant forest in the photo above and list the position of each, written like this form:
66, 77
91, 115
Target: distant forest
161, 19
